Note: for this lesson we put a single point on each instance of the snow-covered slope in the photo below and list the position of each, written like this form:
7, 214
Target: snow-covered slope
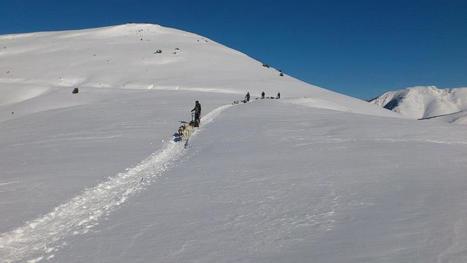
424, 102
127, 56
459, 117
95, 177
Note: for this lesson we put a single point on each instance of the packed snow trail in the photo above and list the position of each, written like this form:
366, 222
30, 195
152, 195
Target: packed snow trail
39, 238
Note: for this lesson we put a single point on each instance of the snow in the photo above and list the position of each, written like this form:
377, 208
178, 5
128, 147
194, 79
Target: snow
424, 102
124, 57
456, 118
82, 212
95, 177
289, 186
12, 95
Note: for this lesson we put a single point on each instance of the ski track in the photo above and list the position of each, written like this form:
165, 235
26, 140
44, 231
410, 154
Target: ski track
38, 239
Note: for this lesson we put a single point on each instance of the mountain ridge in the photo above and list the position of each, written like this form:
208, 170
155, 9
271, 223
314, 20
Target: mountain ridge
147, 56
423, 102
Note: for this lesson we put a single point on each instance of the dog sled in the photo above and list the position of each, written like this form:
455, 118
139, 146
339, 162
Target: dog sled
185, 130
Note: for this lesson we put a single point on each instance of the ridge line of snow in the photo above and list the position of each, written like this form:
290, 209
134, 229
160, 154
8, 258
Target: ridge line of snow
442, 115
39, 238
176, 88
83, 83
323, 103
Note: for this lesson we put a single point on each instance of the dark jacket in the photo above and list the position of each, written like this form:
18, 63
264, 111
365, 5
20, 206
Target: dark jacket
197, 109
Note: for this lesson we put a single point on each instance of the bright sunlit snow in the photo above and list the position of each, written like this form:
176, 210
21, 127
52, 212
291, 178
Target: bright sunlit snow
425, 102
315, 176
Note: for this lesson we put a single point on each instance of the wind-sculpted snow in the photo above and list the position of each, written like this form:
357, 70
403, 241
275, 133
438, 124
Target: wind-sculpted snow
39, 238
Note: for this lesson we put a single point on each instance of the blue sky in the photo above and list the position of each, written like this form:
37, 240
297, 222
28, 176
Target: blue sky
360, 48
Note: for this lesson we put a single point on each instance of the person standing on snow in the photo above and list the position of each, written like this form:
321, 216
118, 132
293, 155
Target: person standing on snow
278, 95
247, 97
262, 95
197, 111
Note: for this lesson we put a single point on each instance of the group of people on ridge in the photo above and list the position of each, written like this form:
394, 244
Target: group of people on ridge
263, 96
196, 111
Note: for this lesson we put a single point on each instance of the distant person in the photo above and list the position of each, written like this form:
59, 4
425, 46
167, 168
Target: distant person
247, 97
197, 111
262, 95
278, 95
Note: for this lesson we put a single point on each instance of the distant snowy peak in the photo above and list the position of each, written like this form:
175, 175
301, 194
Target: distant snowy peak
424, 101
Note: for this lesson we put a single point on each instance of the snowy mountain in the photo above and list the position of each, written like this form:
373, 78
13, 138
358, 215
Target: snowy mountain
314, 176
143, 56
424, 102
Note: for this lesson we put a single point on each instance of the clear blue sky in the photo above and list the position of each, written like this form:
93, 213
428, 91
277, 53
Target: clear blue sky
360, 48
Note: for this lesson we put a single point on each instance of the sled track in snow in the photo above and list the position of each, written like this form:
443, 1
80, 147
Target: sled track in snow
38, 239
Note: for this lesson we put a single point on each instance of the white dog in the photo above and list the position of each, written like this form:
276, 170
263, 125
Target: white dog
185, 130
